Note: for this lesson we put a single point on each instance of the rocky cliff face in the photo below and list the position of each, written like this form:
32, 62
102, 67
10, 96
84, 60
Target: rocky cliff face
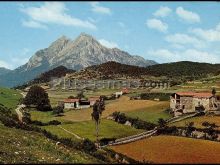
75, 54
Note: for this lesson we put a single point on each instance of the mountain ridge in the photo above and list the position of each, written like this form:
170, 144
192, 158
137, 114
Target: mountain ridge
76, 54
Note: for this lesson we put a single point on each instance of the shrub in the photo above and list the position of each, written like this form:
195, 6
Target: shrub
88, 146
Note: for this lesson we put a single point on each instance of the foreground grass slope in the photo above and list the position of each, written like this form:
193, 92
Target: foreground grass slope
172, 149
19, 146
9, 97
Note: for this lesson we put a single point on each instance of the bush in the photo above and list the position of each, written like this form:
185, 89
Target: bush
88, 146
105, 141
58, 110
54, 122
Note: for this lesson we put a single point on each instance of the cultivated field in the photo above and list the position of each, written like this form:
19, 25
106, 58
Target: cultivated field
198, 121
171, 149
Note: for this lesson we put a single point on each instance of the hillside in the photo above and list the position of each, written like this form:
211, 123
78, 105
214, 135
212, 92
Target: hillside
45, 77
76, 54
19, 146
110, 70
176, 70
184, 68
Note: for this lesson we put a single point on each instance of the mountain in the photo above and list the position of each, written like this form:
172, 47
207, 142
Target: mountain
4, 70
82, 52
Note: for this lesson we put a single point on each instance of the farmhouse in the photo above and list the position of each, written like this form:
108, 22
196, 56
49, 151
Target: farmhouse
186, 102
78, 103
71, 103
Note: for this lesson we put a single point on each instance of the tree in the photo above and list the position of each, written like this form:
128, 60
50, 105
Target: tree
161, 122
38, 97
213, 91
98, 108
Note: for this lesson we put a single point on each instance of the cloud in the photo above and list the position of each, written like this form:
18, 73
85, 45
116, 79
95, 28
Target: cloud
184, 39
210, 35
166, 55
33, 24
52, 13
187, 16
4, 64
97, 8
157, 25
163, 11
108, 44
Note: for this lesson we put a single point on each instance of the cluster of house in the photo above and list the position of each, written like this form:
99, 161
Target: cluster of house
79, 103
187, 102
84, 103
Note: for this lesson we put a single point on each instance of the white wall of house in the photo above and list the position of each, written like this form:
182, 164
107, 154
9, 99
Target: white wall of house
71, 105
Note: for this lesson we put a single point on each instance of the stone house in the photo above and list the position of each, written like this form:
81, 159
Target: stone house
186, 102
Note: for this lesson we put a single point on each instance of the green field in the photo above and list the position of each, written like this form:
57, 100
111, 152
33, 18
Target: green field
151, 113
9, 97
108, 129
19, 146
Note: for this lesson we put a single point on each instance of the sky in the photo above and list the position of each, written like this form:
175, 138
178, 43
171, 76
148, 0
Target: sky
160, 31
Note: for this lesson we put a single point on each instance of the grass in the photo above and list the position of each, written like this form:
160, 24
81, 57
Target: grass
9, 97
86, 129
19, 146
171, 149
151, 113
198, 121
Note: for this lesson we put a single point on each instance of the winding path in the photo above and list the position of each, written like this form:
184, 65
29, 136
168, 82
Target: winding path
78, 137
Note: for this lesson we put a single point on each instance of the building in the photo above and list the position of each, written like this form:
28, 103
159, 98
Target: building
78, 103
71, 103
186, 102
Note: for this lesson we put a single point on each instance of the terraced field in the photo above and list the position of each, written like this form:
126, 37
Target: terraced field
198, 121
171, 149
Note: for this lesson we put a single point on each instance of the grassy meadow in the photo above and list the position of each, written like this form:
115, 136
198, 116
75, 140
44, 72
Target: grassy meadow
9, 97
86, 129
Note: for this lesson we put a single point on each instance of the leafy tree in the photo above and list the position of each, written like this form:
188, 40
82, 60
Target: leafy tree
161, 122
98, 108
38, 97
213, 91
189, 128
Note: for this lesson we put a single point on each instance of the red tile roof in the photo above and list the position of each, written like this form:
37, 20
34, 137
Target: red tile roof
71, 100
194, 94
